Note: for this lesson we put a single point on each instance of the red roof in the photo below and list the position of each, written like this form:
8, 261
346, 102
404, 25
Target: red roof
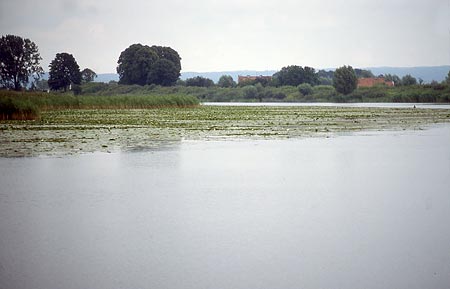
371, 81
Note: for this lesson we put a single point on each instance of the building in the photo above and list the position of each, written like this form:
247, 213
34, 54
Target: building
249, 78
372, 81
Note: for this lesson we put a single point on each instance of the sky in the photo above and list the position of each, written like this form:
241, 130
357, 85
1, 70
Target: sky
221, 35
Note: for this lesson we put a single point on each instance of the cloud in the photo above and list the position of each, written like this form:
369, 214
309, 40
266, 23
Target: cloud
238, 34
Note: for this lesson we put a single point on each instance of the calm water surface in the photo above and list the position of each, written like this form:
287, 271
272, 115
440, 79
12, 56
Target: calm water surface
331, 104
369, 210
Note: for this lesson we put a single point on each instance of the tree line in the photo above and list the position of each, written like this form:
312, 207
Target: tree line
344, 79
138, 64
157, 65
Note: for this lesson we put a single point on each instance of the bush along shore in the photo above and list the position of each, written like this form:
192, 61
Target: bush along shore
28, 105
439, 93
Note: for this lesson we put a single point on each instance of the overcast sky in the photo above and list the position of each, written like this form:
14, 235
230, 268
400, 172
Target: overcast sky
219, 35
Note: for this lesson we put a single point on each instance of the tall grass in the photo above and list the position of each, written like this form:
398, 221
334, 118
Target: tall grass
114, 102
17, 109
27, 105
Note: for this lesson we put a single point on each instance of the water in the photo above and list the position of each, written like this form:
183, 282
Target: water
368, 210
331, 104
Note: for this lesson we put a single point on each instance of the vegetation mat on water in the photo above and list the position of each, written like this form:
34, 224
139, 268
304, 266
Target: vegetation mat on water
89, 130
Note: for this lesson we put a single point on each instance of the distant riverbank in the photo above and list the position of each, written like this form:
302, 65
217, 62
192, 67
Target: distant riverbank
429, 93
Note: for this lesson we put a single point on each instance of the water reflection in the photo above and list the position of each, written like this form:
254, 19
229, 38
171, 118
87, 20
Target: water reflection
360, 211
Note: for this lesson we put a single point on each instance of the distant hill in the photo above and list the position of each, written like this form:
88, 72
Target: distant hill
106, 77
427, 73
102, 77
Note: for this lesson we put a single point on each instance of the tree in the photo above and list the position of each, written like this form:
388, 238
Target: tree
19, 59
168, 54
226, 81
87, 75
409, 80
250, 92
135, 63
305, 89
392, 77
447, 79
310, 76
289, 75
345, 80
163, 72
142, 64
325, 77
64, 71
325, 81
199, 81
294, 75
363, 73
325, 74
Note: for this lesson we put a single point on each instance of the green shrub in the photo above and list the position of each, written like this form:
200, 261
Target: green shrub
250, 92
305, 88
324, 92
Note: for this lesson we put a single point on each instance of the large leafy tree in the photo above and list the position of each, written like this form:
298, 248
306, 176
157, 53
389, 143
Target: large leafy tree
294, 75
64, 71
310, 76
289, 75
163, 72
142, 64
199, 81
135, 63
345, 80
168, 54
19, 59
87, 75
226, 81
447, 79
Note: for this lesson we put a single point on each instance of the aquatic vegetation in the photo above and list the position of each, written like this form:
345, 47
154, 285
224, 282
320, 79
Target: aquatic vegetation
88, 130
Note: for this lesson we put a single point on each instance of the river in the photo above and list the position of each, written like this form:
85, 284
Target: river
333, 104
361, 210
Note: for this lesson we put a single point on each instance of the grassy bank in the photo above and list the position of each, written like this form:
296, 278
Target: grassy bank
78, 130
28, 105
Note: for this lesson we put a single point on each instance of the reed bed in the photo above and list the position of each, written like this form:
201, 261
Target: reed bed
28, 105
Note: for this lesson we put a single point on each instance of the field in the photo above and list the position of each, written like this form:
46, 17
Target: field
71, 131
